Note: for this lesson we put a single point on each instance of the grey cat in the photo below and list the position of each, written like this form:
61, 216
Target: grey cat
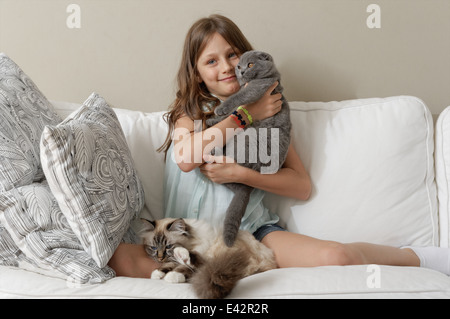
256, 72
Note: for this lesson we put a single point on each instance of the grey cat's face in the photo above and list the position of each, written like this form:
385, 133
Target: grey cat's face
161, 237
254, 65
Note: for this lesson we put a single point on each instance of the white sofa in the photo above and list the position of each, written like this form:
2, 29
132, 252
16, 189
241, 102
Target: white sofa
372, 164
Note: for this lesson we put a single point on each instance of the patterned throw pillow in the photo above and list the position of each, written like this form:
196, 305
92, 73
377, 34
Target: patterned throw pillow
24, 112
9, 252
91, 173
35, 223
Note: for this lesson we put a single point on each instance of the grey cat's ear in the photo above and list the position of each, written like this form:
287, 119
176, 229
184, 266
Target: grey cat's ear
178, 225
148, 225
265, 56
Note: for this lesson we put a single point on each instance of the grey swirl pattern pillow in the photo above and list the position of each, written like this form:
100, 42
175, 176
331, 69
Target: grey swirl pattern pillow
24, 112
36, 224
91, 173
9, 252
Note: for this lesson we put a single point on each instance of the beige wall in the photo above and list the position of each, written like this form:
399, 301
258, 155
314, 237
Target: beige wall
129, 50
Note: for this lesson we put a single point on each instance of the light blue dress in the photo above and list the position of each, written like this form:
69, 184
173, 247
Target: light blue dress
192, 195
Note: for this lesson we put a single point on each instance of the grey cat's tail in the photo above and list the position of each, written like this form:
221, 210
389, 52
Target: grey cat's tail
235, 212
217, 278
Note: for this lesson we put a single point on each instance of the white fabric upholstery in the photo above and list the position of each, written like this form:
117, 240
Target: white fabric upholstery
442, 160
371, 163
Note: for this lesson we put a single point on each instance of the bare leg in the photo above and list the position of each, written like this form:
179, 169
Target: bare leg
131, 260
385, 255
295, 250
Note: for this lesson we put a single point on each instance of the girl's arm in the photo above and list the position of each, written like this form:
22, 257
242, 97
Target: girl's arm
190, 143
291, 180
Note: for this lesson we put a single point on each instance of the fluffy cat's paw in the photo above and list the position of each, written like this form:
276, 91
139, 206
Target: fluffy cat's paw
182, 255
174, 277
157, 274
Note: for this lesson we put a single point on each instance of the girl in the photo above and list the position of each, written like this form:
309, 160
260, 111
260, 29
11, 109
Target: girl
205, 78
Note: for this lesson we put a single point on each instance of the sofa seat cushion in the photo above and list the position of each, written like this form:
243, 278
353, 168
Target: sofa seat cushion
365, 281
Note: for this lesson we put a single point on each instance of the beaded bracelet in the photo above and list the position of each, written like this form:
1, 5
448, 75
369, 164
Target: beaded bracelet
250, 119
238, 118
237, 121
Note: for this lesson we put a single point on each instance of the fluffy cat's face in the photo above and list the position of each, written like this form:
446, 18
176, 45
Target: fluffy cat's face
161, 237
254, 65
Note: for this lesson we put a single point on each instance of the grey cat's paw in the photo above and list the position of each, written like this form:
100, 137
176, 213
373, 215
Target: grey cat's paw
220, 111
174, 277
210, 122
157, 274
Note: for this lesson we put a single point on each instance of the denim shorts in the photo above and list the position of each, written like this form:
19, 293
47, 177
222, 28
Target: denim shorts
264, 230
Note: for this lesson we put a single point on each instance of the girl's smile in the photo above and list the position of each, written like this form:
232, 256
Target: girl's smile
230, 78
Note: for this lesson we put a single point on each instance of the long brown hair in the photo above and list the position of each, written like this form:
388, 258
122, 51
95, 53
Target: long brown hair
191, 94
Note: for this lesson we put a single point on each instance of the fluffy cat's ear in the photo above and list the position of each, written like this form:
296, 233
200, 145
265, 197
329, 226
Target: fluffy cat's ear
148, 225
178, 225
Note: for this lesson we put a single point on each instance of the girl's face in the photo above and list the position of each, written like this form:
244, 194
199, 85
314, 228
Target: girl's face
216, 67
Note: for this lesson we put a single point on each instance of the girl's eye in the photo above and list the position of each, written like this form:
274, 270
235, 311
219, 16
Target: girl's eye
232, 55
211, 61
250, 65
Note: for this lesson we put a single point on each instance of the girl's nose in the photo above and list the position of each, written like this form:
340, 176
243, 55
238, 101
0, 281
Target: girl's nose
227, 66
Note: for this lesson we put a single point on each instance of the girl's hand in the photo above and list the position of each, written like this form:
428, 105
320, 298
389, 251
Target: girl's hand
266, 106
221, 169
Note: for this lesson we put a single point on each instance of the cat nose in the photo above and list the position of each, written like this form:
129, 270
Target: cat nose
160, 256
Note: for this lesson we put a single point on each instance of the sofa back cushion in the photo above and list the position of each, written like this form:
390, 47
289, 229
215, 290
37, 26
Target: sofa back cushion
370, 161
442, 160
371, 165
145, 133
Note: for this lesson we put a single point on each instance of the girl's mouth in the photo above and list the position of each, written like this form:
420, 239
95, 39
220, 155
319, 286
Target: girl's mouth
230, 78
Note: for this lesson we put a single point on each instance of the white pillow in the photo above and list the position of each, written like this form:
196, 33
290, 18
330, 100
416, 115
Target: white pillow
442, 159
371, 165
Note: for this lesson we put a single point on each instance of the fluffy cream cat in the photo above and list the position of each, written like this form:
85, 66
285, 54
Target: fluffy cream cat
192, 250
